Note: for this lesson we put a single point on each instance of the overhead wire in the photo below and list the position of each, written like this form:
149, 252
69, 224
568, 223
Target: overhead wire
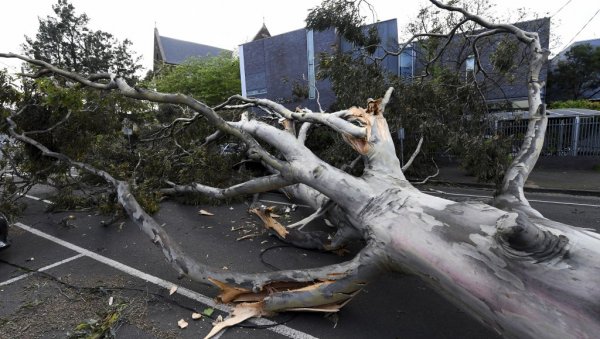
561, 8
581, 30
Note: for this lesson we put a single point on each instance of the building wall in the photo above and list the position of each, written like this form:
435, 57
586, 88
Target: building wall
273, 65
388, 34
500, 88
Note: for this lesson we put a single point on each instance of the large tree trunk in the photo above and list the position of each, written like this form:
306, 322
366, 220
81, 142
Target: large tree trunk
530, 286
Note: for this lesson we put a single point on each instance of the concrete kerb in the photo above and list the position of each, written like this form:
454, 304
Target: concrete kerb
588, 193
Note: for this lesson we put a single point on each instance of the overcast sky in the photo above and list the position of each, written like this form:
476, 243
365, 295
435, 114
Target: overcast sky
228, 23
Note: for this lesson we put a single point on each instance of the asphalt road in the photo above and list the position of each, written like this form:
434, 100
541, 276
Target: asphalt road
85, 253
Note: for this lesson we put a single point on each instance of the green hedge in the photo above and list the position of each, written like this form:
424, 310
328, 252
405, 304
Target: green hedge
576, 104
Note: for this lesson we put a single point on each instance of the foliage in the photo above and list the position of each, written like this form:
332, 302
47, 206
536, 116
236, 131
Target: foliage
595, 105
485, 157
209, 79
65, 40
346, 18
503, 56
10, 192
104, 327
576, 77
44, 103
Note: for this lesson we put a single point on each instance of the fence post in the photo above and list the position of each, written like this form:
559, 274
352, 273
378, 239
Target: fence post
561, 135
575, 136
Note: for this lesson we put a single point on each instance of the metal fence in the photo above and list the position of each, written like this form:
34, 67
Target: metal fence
574, 136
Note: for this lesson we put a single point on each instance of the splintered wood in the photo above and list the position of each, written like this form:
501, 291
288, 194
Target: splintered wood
240, 313
267, 218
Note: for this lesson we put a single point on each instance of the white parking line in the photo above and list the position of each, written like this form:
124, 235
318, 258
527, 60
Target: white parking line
23, 276
39, 199
280, 329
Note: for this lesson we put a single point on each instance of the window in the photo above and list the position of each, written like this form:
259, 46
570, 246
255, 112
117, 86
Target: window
470, 68
407, 62
256, 92
256, 84
470, 63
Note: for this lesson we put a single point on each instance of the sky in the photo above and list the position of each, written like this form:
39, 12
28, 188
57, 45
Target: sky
229, 23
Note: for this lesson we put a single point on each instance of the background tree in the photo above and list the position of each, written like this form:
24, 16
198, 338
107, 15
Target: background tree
66, 40
69, 118
576, 77
209, 79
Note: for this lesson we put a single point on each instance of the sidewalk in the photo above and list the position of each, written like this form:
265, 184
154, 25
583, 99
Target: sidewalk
569, 181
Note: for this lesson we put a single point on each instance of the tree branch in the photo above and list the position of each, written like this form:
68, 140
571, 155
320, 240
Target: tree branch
185, 265
413, 156
333, 120
144, 94
256, 185
62, 121
526, 37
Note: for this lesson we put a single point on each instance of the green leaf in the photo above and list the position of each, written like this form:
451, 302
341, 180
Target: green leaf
208, 311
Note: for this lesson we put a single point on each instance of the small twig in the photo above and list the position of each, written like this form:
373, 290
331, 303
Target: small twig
62, 121
351, 165
133, 175
437, 172
318, 213
247, 236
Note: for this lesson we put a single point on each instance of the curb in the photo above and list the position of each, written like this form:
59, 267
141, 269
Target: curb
526, 188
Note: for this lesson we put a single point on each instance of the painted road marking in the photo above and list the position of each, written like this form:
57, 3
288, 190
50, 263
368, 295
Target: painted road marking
530, 200
23, 276
280, 329
38, 199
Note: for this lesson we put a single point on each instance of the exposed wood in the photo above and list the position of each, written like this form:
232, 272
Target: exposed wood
270, 222
240, 313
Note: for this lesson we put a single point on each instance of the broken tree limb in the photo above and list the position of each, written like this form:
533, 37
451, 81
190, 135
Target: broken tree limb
121, 85
333, 120
174, 255
256, 185
317, 214
303, 132
424, 181
413, 156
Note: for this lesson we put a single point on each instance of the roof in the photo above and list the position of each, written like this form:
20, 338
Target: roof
175, 51
552, 113
563, 54
262, 33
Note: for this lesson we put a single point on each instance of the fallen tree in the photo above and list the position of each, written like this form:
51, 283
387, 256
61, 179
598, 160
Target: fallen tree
508, 266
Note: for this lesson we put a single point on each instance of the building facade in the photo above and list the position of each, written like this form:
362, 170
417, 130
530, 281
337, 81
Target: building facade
283, 67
